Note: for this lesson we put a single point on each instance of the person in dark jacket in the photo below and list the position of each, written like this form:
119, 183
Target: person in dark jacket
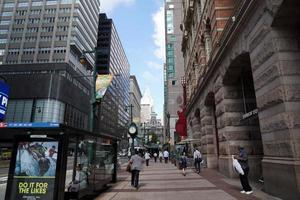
243, 160
183, 161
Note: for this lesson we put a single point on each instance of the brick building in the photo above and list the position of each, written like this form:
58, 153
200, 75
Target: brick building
241, 60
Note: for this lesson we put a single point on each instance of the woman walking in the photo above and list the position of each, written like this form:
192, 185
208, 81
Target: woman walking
183, 161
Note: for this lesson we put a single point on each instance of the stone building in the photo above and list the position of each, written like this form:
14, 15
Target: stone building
241, 60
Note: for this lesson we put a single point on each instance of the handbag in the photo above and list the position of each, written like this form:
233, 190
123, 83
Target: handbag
128, 167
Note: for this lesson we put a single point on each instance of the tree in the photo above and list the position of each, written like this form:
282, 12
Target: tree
152, 137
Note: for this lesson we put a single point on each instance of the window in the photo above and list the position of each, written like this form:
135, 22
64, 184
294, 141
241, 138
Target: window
9, 5
35, 12
51, 2
7, 13
24, 4
21, 12
19, 110
5, 22
66, 1
49, 20
2, 52
4, 31
37, 3
174, 82
49, 110
50, 11
3, 41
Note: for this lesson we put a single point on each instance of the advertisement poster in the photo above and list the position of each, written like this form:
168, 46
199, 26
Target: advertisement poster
35, 170
4, 89
102, 83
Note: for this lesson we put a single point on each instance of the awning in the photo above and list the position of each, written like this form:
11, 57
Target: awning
188, 140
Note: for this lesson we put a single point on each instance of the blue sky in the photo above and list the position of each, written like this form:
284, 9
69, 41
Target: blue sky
140, 25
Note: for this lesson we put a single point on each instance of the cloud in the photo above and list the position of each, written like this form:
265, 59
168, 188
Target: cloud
148, 76
159, 32
154, 65
107, 6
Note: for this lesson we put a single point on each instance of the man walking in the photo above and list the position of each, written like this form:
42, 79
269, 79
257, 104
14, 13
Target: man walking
136, 166
197, 160
166, 156
147, 158
160, 155
243, 160
155, 156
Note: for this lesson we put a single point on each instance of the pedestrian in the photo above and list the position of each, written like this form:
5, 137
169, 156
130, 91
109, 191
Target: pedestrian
155, 156
160, 155
197, 160
183, 161
166, 156
147, 158
136, 162
243, 160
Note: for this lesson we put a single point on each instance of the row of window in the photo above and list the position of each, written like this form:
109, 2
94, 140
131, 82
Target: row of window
36, 12
32, 51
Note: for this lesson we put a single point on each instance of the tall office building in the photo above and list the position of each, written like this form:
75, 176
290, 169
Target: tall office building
40, 45
113, 108
146, 106
174, 68
135, 100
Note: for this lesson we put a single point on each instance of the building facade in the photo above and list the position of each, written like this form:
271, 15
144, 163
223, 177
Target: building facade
242, 66
154, 126
146, 106
173, 92
135, 100
112, 111
40, 46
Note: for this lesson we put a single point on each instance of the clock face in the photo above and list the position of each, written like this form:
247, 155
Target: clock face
132, 130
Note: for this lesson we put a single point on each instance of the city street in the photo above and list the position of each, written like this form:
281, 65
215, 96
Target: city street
161, 181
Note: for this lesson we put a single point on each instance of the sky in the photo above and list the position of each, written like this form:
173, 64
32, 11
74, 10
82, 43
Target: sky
140, 25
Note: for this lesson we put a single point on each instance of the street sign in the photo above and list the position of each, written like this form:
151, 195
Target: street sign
4, 89
29, 125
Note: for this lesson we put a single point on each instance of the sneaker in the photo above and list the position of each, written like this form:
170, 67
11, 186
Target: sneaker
243, 191
249, 192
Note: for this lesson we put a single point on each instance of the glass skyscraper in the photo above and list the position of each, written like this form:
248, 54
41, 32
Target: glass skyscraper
40, 45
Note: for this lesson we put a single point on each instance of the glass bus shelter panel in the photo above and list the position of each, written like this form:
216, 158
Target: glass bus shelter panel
104, 164
71, 164
89, 164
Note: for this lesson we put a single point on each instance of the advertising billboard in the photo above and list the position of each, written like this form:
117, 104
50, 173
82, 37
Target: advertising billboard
4, 89
34, 171
102, 83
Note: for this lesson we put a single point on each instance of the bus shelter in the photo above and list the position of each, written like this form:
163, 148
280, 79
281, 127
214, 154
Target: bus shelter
54, 161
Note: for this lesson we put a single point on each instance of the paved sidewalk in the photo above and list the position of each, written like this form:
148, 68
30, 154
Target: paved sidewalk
161, 181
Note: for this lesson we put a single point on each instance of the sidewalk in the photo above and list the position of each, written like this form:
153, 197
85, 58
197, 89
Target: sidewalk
161, 181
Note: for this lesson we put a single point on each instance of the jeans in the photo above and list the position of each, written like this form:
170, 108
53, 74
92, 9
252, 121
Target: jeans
166, 159
197, 165
135, 177
147, 162
244, 180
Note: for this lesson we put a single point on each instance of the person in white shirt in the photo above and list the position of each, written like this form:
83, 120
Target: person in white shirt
147, 158
166, 156
155, 156
160, 155
197, 160
136, 162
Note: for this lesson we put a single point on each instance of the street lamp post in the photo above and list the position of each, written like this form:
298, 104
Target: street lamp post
93, 102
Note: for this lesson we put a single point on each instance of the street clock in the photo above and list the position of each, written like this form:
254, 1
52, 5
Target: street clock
132, 130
